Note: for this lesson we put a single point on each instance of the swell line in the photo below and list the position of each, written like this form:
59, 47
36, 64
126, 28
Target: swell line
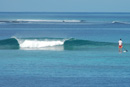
52, 43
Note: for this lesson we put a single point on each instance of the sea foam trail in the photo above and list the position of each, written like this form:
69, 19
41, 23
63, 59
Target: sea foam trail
39, 21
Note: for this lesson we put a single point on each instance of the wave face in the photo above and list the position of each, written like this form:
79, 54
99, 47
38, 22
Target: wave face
11, 43
51, 44
74, 44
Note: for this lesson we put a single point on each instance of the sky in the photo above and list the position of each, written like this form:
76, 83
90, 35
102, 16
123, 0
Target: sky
64, 5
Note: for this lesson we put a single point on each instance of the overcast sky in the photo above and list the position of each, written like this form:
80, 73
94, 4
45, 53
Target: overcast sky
64, 5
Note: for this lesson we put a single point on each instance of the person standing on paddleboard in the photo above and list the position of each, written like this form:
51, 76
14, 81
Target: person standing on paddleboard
120, 45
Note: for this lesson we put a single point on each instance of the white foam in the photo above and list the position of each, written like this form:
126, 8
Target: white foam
55, 48
34, 43
36, 20
71, 20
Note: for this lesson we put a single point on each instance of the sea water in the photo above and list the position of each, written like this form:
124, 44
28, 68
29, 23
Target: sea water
47, 49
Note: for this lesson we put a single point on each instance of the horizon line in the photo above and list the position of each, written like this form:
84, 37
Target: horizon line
61, 12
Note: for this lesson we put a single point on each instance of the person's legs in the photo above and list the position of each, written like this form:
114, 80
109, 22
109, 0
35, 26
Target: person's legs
120, 49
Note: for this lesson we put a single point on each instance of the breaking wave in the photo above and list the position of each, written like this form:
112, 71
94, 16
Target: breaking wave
39, 21
39, 43
51, 44
31, 21
119, 22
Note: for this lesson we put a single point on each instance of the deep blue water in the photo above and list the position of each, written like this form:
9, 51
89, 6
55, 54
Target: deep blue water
64, 49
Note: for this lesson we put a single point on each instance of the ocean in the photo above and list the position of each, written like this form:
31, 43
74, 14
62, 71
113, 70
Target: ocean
64, 49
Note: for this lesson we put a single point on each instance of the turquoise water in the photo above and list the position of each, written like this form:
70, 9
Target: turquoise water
64, 50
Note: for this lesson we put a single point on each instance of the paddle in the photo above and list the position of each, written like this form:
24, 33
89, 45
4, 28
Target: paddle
125, 50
